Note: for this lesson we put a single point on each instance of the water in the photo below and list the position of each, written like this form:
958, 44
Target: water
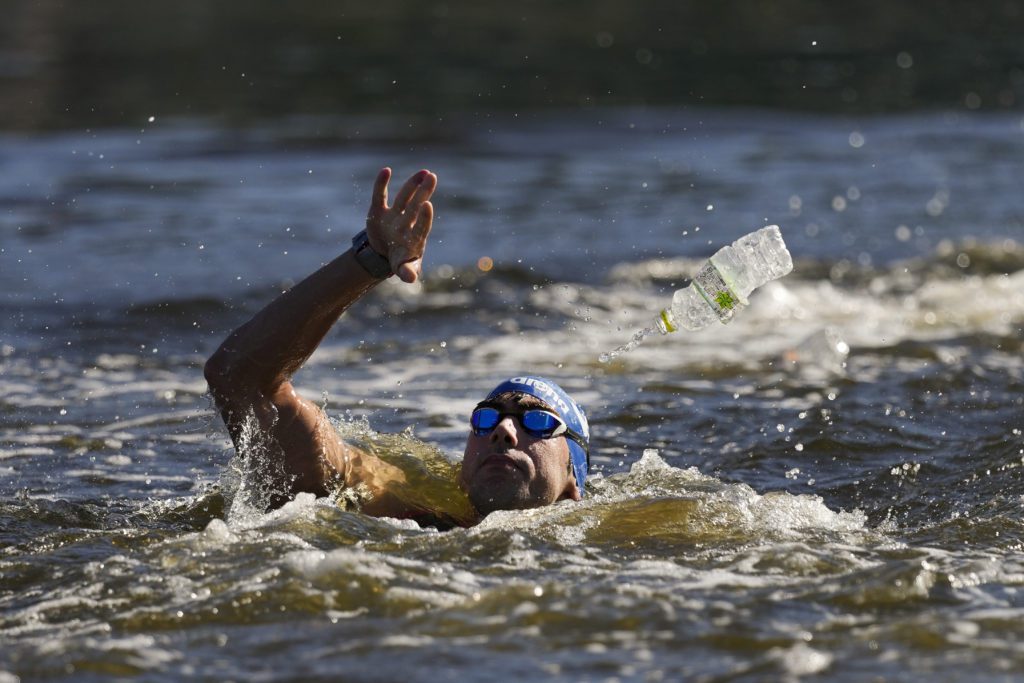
762, 508
634, 341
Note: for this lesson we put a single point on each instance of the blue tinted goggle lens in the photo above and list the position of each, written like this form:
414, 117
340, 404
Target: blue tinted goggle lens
539, 423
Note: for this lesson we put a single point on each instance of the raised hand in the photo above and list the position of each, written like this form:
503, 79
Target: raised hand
399, 232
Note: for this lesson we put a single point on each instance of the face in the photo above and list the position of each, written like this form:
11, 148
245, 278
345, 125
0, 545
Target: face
508, 469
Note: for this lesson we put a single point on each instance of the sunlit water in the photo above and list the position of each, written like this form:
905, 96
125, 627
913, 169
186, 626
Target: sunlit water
829, 486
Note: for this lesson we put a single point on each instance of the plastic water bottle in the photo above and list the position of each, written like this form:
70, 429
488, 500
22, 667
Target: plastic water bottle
721, 285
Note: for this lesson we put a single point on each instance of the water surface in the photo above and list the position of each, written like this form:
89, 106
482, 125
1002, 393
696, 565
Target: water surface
761, 508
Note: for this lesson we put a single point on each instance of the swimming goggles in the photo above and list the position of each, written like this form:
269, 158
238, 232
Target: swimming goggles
539, 423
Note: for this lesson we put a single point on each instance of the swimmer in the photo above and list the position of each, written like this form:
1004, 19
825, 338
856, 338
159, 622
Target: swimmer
528, 440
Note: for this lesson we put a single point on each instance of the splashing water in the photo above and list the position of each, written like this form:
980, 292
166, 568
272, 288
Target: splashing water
634, 342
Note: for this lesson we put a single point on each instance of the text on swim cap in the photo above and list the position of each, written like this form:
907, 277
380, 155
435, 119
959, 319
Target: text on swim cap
553, 398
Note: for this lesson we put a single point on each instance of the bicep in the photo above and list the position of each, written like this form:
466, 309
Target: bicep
289, 434
316, 455
313, 453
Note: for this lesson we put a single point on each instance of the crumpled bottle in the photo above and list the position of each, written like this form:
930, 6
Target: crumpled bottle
721, 285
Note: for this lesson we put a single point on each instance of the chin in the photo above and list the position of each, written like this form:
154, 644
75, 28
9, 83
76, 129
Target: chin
488, 501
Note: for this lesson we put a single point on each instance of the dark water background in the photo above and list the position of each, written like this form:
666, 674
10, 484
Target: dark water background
765, 505
115, 62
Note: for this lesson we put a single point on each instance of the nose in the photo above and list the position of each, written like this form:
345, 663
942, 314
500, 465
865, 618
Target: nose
505, 432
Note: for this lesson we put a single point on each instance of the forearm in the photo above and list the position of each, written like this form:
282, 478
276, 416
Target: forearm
274, 344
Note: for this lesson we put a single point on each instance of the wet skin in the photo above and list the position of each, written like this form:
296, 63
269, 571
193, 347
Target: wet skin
250, 379
508, 469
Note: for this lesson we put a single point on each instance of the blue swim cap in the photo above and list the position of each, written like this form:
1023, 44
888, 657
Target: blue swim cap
566, 408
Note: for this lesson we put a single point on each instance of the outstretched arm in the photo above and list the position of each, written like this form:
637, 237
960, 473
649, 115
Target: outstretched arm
250, 374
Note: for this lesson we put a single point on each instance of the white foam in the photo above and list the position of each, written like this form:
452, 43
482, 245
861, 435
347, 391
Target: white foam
801, 660
406, 641
28, 451
139, 650
423, 596
774, 512
218, 532
315, 564
787, 513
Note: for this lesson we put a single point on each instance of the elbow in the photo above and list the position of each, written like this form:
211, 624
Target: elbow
217, 372
230, 374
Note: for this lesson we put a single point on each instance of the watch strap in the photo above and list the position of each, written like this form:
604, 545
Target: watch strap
374, 264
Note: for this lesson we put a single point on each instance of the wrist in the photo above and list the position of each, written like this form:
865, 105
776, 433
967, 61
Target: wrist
372, 262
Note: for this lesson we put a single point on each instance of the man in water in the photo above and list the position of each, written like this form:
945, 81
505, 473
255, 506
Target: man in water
528, 442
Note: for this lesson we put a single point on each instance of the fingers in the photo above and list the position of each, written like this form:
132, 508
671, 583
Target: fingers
424, 221
379, 198
411, 187
409, 264
401, 230
422, 193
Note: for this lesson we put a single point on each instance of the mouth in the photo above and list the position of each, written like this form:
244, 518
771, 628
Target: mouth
501, 461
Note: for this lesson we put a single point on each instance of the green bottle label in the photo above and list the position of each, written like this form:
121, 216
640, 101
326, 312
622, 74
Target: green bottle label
711, 285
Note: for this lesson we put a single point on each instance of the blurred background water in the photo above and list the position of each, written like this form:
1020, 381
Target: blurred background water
829, 487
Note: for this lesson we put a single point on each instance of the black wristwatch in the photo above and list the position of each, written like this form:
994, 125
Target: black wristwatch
375, 264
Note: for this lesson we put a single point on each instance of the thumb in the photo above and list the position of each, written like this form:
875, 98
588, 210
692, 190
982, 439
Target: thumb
410, 270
